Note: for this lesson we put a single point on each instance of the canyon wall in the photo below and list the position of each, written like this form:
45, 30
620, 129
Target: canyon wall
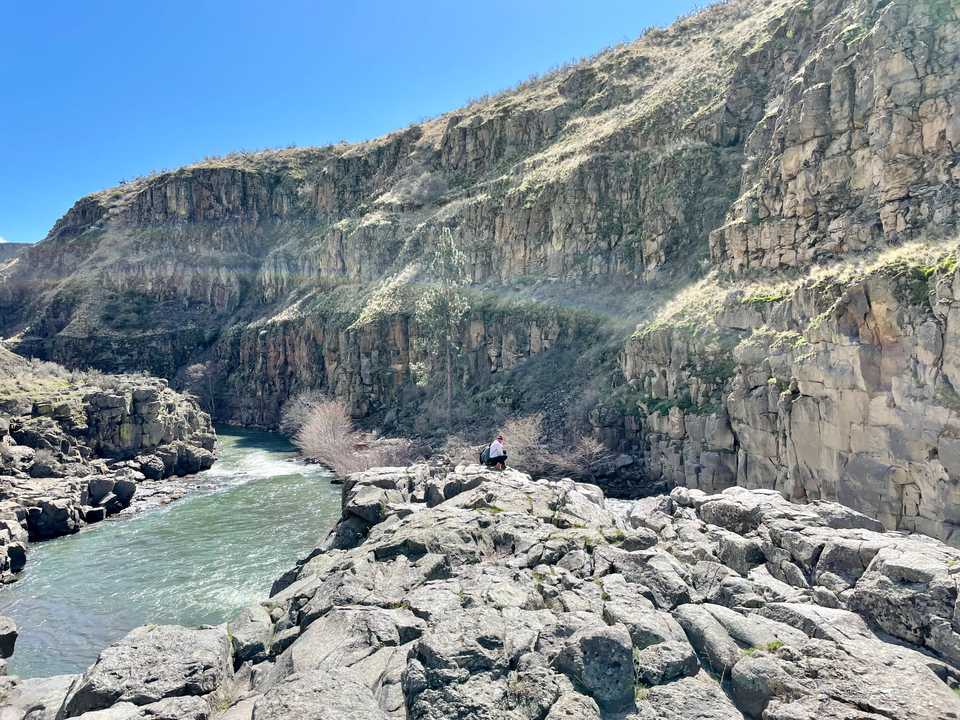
834, 387
769, 156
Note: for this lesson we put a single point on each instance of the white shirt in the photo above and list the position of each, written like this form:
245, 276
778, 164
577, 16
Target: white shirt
496, 449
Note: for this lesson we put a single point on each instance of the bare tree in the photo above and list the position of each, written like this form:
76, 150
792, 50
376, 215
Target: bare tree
440, 310
202, 380
296, 411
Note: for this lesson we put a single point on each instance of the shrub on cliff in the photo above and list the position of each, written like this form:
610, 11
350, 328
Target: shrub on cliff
296, 411
531, 451
326, 435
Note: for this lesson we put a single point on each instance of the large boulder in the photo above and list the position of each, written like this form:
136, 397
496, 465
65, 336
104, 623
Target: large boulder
36, 698
150, 664
250, 634
52, 517
176, 708
599, 661
319, 696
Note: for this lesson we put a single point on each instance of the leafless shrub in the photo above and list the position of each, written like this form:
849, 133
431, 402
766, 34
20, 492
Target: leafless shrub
588, 452
530, 452
296, 410
203, 380
461, 450
327, 436
525, 446
388, 452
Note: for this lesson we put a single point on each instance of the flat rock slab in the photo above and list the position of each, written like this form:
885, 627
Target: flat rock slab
318, 696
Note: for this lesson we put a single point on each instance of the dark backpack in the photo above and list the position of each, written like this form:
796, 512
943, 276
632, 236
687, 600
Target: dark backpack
485, 455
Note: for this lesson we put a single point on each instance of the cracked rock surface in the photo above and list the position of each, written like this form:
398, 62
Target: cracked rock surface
470, 593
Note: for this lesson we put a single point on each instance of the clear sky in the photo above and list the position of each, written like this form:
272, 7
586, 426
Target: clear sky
98, 91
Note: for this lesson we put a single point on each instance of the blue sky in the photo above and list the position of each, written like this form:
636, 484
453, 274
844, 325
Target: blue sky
95, 92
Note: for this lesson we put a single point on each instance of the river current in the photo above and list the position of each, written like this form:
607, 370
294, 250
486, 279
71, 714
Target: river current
195, 561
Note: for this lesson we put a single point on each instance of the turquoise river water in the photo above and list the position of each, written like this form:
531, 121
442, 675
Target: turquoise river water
195, 561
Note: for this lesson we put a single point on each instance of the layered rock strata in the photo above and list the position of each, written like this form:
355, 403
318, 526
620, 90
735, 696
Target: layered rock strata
785, 132
466, 593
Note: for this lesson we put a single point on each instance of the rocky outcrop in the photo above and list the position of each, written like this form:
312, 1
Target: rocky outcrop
75, 447
837, 387
150, 665
449, 593
855, 150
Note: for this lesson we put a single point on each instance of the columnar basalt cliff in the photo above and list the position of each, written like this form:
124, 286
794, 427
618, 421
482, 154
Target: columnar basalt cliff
468, 593
828, 387
771, 156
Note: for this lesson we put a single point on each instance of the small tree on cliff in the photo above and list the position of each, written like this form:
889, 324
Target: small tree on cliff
202, 379
441, 308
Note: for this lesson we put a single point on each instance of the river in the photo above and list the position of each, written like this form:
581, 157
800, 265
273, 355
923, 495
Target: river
193, 562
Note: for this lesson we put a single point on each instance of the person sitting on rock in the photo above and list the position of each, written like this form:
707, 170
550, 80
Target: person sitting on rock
497, 455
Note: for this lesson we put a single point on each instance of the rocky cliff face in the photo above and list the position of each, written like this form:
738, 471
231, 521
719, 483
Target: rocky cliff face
736, 151
467, 593
76, 447
9, 250
856, 150
829, 387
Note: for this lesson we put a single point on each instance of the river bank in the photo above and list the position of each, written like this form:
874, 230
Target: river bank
78, 446
196, 561
467, 593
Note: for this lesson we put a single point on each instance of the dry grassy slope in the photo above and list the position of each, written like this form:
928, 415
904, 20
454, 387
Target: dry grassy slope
10, 362
583, 199
589, 171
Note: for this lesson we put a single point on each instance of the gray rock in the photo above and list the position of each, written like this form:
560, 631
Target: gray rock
753, 631
37, 698
250, 634
151, 466
8, 636
574, 706
53, 517
152, 663
99, 487
697, 697
708, 637
318, 696
599, 661
125, 489
178, 708
661, 663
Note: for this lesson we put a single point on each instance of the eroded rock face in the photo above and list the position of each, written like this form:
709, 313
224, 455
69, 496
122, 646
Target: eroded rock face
852, 157
839, 390
514, 599
74, 448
